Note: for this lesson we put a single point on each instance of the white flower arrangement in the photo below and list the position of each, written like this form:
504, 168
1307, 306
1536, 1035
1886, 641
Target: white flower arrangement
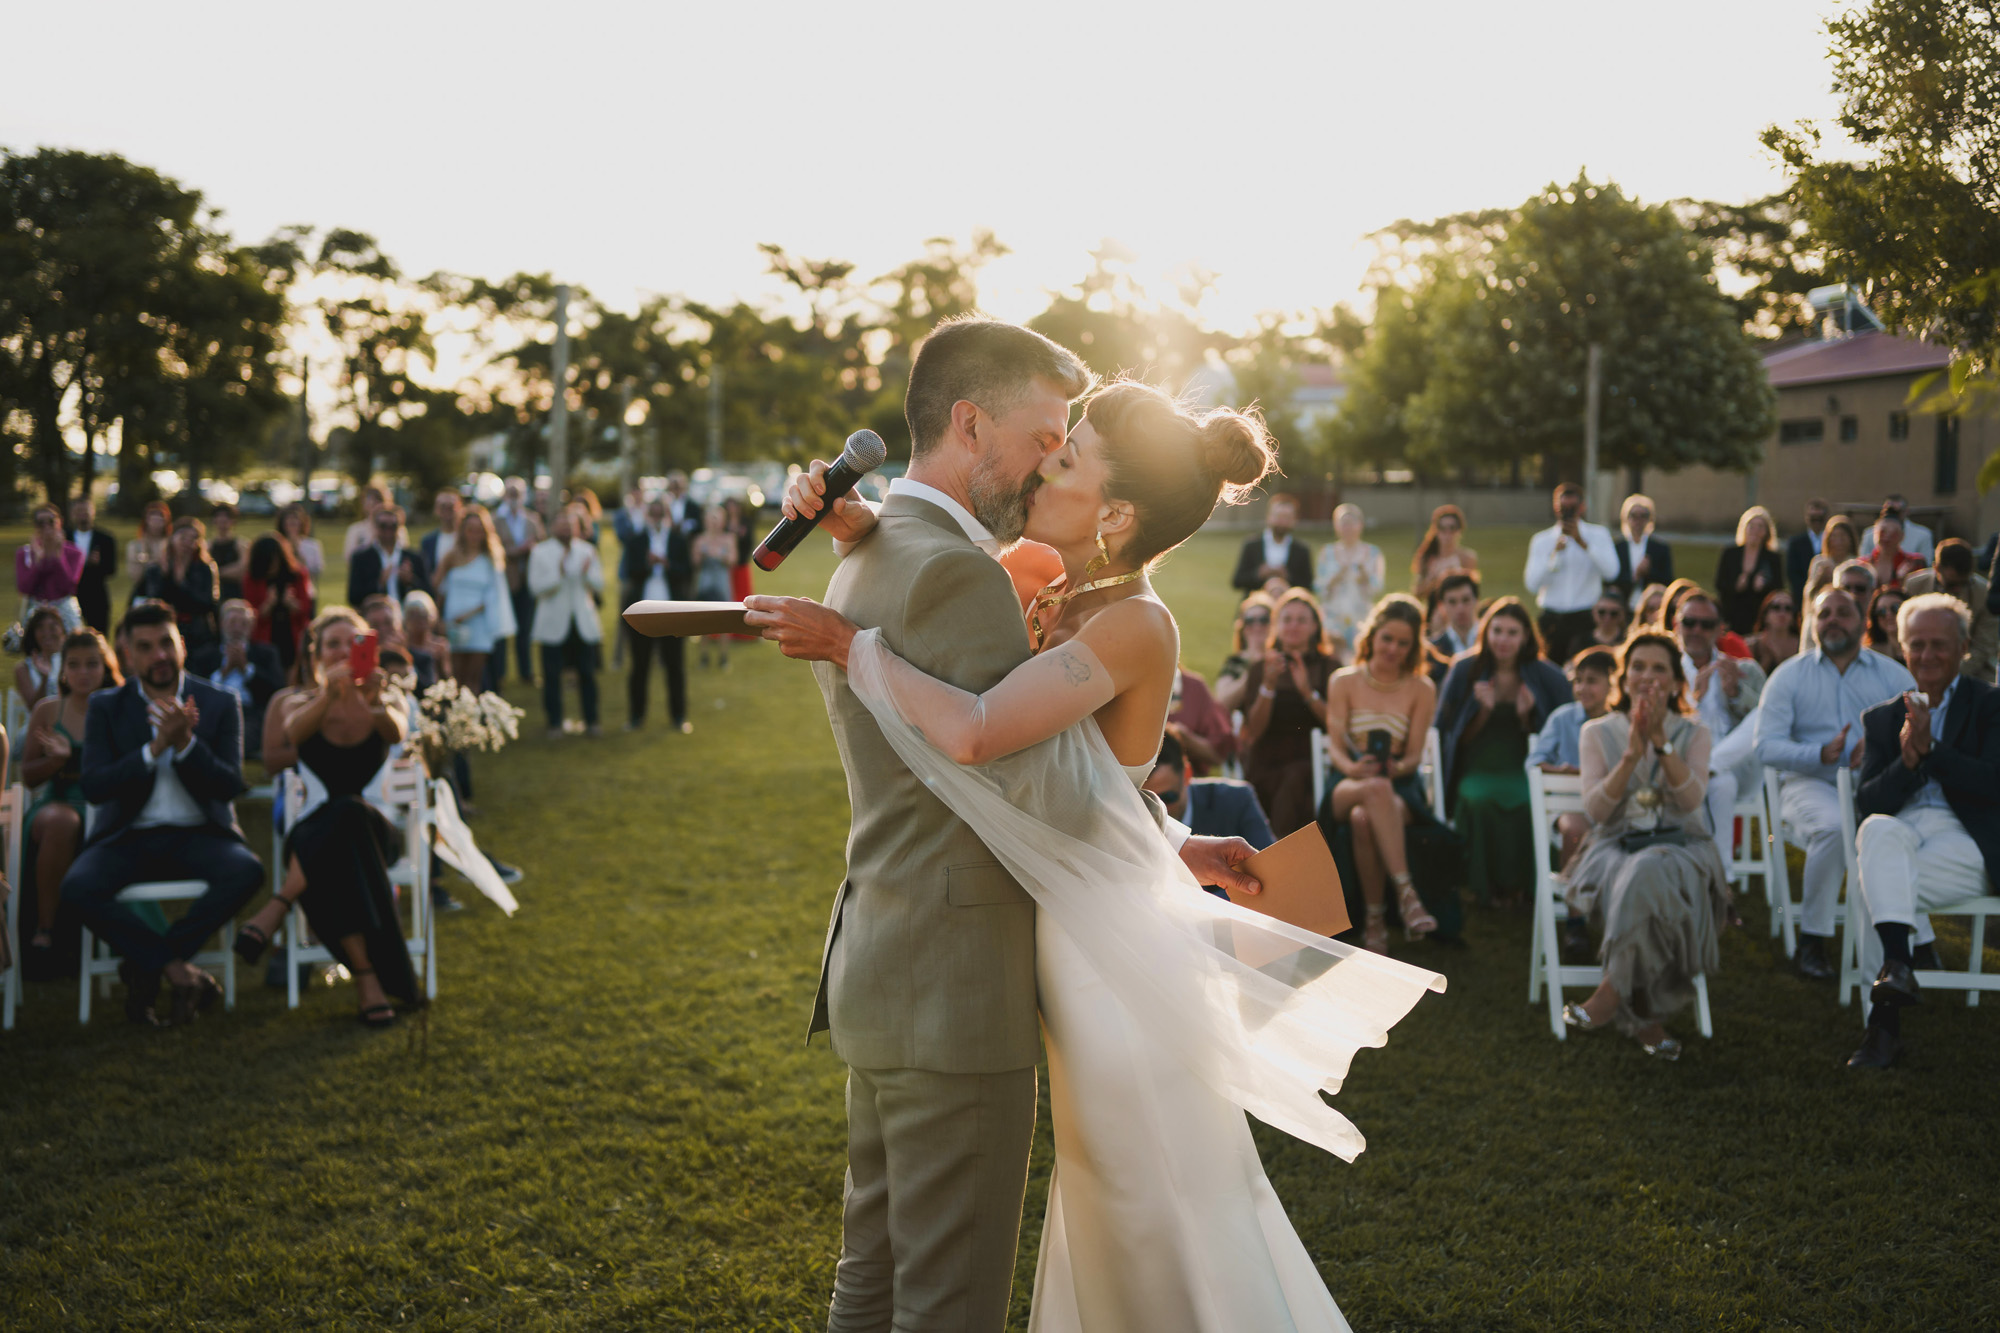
456, 719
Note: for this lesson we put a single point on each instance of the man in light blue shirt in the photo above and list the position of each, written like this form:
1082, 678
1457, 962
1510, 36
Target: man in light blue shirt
1809, 723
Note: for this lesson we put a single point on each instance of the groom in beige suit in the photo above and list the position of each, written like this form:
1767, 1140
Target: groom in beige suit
927, 982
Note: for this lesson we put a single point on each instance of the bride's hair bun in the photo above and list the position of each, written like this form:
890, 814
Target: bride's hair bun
1236, 449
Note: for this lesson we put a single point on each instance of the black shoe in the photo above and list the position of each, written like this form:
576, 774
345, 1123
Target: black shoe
193, 999
444, 902
1896, 984
142, 988
1924, 958
508, 874
1879, 1049
1812, 961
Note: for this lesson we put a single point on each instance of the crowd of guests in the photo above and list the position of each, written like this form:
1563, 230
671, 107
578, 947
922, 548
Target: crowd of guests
1665, 696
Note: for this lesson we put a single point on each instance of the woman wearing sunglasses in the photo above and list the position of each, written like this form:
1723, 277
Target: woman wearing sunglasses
1246, 650
1775, 638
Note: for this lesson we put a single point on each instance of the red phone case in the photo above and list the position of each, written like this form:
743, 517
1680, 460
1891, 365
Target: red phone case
362, 657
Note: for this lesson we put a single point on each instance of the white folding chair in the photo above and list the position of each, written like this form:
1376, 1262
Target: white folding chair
1972, 981
1752, 855
17, 724
1551, 795
1232, 767
1319, 767
100, 964
1786, 909
13, 806
1431, 769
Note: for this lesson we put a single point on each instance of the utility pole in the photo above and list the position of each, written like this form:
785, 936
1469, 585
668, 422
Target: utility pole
715, 416
1592, 489
559, 408
628, 463
306, 450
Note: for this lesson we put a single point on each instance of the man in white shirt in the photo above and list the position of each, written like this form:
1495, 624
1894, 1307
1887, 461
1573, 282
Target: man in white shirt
449, 509
162, 762
362, 531
682, 511
100, 562
1917, 539
1725, 690
1568, 566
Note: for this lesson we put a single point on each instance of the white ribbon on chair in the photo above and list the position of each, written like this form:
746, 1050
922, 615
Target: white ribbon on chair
456, 848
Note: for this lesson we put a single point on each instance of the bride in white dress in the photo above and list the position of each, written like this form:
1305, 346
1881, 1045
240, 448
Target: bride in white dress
1167, 1011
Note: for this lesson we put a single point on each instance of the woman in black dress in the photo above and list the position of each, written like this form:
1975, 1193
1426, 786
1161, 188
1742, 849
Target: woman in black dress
1284, 701
1746, 572
339, 850
186, 579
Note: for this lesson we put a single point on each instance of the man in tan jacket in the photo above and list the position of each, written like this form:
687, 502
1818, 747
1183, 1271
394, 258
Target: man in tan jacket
927, 980
1953, 574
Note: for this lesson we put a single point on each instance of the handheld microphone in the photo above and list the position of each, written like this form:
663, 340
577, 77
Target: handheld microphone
864, 453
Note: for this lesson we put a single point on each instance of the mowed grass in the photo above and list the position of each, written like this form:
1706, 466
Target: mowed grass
614, 1121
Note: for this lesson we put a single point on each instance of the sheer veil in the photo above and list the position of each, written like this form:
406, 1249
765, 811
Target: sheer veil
1266, 1014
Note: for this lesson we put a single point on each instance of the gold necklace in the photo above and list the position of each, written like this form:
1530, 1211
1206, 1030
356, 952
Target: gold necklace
1048, 599
1375, 684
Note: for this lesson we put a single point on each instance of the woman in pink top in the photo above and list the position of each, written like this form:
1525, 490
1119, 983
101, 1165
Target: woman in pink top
47, 568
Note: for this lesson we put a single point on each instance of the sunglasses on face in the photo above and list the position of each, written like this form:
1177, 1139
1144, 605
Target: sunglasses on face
1699, 622
1256, 620
1783, 606
1607, 613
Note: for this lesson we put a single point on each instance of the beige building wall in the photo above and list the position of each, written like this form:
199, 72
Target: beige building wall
1862, 470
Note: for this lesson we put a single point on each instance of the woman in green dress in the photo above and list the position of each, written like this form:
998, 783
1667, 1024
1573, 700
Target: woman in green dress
1493, 700
52, 764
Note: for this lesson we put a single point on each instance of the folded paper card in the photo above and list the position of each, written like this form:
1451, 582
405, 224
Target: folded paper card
660, 620
1300, 884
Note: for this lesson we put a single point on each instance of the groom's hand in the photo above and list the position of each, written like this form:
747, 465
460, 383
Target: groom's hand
848, 520
1218, 861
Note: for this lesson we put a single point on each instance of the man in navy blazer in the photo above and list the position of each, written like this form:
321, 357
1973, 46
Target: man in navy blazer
1212, 807
449, 508
385, 565
162, 762
1930, 807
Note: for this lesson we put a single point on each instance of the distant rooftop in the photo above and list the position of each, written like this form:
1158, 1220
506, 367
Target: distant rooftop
1855, 357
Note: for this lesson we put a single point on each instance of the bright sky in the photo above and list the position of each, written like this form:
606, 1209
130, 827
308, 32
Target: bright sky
637, 147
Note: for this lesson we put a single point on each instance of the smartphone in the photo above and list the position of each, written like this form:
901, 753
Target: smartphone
362, 657
1378, 745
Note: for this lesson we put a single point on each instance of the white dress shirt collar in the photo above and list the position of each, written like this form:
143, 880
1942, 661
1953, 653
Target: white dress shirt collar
975, 531
169, 802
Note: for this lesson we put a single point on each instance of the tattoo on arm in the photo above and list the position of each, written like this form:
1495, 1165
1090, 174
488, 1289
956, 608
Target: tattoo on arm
1075, 670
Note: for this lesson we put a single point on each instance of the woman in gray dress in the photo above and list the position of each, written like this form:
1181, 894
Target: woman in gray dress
1649, 879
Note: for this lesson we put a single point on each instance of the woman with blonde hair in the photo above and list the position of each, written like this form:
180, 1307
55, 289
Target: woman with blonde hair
1349, 577
478, 607
1748, 570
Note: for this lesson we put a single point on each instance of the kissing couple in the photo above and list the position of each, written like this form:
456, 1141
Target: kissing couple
1004, 863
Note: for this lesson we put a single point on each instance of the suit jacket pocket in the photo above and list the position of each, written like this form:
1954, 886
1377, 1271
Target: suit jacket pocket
982, 884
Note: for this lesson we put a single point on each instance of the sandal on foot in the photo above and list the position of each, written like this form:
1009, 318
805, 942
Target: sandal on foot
374, 1015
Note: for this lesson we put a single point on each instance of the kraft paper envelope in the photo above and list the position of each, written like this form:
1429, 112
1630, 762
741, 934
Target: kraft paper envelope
1301, 887
660, 620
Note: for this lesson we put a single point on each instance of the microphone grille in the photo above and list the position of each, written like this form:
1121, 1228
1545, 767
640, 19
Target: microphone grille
865, 451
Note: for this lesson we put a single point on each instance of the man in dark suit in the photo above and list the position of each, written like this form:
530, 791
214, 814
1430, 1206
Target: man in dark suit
162, 761
1930, 809
250, 671
1275, 552
657, 566
1802, 547
1212, 807
436, 544
1643, 559
385, 565
100, 562
1456, 618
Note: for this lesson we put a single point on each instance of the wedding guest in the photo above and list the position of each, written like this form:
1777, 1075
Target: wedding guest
682, 512
362, 530
448, 508
565, 575
478, 605
1885, 556
1775, 636
42, 639
1880, 636
519, 530
1276, 552
589, 513
163, 759
1557, 748
1856, 578
1804, 723
52, 765
743, 524
100, 562
1649, 879
1286, 693
1952, 573
387, 565
658, 567
1440, 554
1749, 570
1212, 807
1206, 733
1568, 565
1377, 713
1840, 542
228, 553
1647, 606
630, 517
245, 668
1492, 701
1804, 548
295, 524
1248, 636
150, 546
1456, 622
421, 632
1349, 577
714, 553
1723, 691
281, 593
1917, 539
339, 849
1610, 621
627, 524
187, 580
1929, 792
48, 568
1642, 557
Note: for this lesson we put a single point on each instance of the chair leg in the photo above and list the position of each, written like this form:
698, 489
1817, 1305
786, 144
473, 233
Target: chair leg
294, 930
87, 970
1701, 1013
1978, 956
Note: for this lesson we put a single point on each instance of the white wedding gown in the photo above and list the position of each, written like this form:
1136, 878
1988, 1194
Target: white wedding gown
1168, 1013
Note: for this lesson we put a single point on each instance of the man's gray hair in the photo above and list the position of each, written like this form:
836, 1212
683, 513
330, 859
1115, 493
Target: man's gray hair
1856, 563
1907, 613
420, 600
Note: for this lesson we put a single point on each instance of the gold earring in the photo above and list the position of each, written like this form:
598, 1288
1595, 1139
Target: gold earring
1100, 560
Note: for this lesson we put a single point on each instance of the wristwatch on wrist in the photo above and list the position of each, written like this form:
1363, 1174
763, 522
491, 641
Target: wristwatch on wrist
1665, 747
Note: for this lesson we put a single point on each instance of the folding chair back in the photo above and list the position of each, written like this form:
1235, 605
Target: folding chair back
13, 809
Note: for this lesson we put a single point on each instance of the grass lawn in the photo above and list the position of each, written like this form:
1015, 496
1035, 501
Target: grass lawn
617, 1124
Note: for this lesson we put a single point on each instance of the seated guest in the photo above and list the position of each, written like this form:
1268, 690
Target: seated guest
1647, 606
42, 636
1377, 713
280, 590
1649, 879
1275, 553
1775, 637
1246, 648
247, 669
1885, 555
1724, 691
1286, 690
1917, 539
1642, 557
1492, 701
1212, 807
339, 850
427, 643
186, 579
1610, 621
1953, 574
1880, 634
385, 617
1808, 722
1456, 627
1557, 746
1839, 542
163, 758
52, 764
1929, 803
1205, 730
388, 564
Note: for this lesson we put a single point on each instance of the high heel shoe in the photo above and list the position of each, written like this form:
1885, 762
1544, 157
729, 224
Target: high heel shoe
1375, 935
1578, 1017
1416, 921
374, 1015
251, 940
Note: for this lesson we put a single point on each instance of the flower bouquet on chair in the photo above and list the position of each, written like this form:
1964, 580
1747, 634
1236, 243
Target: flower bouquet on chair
453, 720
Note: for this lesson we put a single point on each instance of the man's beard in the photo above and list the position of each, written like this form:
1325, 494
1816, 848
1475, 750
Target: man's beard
1835, 641
163, 674
999, 503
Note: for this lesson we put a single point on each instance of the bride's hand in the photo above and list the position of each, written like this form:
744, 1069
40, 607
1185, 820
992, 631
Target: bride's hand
802, 628
805, 494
